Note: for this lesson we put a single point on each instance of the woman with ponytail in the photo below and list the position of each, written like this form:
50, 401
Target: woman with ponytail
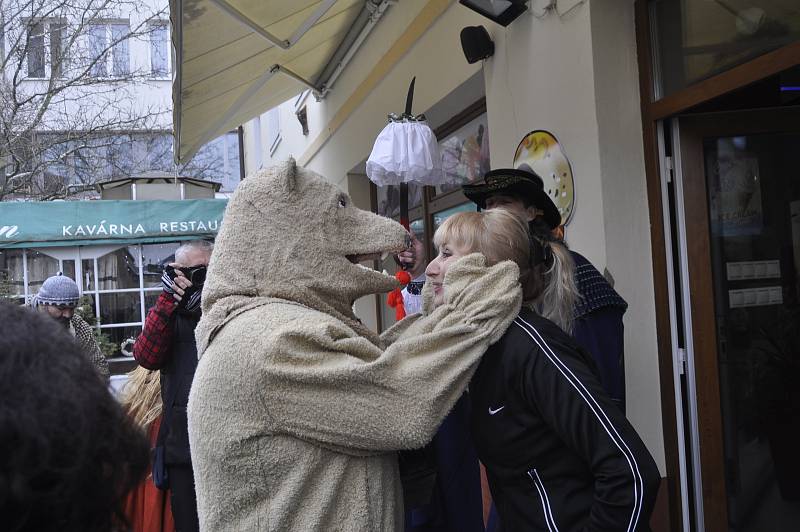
559, 455
559, 292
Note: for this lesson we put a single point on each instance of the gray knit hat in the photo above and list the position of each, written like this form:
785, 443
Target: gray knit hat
58, 290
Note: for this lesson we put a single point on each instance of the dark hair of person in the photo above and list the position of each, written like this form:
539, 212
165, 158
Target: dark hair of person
68, 453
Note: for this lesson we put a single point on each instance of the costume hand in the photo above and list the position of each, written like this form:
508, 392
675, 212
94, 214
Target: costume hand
488, 295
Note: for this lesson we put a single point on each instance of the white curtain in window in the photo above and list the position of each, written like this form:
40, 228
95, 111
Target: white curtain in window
40, 267
159, 50
108, 272
97, 44
121, 59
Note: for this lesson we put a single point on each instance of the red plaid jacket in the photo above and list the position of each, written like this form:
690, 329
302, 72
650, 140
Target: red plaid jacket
153, 347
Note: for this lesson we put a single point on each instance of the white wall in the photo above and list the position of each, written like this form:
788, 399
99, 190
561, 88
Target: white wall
626, 217
541, 78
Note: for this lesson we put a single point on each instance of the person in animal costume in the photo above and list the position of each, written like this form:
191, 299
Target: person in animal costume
297, 408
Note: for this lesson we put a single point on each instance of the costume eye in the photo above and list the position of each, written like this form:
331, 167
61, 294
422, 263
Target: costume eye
342, 201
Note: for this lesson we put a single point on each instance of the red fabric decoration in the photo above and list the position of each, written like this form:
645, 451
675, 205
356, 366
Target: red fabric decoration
395, 298
403, 276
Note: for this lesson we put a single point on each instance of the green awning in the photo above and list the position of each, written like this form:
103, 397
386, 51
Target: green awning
81, 223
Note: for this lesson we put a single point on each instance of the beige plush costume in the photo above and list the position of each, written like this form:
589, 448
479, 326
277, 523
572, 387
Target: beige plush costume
296, 407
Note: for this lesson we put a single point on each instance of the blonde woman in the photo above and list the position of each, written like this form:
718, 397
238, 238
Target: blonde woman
576, 296
559, 454
147, 507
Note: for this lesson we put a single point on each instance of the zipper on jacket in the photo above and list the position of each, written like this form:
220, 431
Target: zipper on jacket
546, 510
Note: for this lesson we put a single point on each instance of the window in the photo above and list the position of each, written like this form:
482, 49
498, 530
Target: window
159, 50
45, 50
159, 153
217, 161
12, 274
87, 159
108, 46
258, 160
273, 129
696, 39
302, 117
120, 156
465, 154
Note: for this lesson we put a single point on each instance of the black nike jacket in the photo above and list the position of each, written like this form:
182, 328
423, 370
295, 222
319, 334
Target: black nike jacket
558, 453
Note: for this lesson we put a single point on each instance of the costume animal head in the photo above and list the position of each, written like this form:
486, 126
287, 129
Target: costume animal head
289, 233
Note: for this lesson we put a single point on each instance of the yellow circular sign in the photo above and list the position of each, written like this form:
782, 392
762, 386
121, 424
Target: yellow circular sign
541, 151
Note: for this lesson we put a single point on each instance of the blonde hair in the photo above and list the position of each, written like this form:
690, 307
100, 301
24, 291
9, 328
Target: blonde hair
141, 397
547, 271
560, 293
498, 235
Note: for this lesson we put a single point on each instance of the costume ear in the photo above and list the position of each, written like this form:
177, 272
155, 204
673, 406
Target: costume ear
287, 177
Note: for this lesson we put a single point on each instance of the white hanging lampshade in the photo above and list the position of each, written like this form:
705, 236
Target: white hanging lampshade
405, 151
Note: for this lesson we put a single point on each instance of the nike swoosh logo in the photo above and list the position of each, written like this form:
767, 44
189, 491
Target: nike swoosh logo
496, 410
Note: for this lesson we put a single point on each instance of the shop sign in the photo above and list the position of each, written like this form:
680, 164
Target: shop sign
41, 224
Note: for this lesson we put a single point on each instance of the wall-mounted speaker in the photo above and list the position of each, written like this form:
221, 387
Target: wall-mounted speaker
476, 43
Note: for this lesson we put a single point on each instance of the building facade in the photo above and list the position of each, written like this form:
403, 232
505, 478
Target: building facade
678, 123
87, 97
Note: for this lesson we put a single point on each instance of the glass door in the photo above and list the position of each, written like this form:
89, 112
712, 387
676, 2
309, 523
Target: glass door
741, 191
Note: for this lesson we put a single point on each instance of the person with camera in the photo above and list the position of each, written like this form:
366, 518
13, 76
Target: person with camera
167, 344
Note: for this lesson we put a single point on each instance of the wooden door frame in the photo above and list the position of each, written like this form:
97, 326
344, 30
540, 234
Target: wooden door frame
653, 110
693, 130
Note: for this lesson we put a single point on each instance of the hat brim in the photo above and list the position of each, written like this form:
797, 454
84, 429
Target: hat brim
479, 193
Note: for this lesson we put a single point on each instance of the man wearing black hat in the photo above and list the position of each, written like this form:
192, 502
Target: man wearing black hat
598, 311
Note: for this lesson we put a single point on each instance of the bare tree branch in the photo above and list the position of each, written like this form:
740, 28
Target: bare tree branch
73, 110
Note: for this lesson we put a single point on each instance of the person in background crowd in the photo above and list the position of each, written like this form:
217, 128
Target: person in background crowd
580, 300
559, 455
442, 485
167, 344
147, 508
58, 298
414, 261
68, 453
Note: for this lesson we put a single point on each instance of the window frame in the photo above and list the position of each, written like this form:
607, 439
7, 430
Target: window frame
273, 119
111, 51
152, 26
47, 48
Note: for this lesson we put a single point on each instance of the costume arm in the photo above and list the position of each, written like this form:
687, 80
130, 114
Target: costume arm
390, 335
559, 385
327, 385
